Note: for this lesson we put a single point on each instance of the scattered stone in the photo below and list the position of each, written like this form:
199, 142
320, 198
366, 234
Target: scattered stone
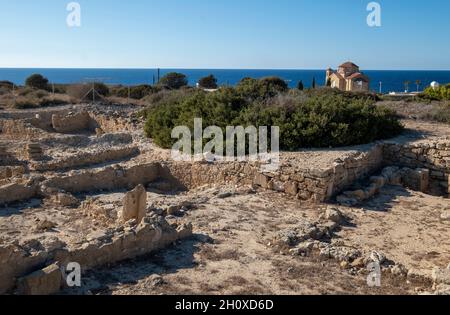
67, 200
445, 216
442, 290
399, 270
334, 214
224, 195
340, 253
344, 264
377, 257
45, 225
358, 263
359, 195
441, 276
173, 210
418, 276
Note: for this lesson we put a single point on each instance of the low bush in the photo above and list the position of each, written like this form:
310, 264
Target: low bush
255, 89
23, 102
135, 92
439, 113
209, 82
327, 120
174, 80
37, 81
440, 93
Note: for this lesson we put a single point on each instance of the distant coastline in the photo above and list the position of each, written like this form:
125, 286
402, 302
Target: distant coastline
392, 80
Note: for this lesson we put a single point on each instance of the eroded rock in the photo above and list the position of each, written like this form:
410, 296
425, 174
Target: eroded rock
42, 282
134, 205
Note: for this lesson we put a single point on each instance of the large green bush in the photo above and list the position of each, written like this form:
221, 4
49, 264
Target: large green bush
209, 82
174, 80
37, 81
325, 120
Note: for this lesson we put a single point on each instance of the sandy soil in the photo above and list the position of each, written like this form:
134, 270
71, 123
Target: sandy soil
229, 253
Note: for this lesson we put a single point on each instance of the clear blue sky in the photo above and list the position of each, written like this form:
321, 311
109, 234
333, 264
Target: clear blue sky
261, 34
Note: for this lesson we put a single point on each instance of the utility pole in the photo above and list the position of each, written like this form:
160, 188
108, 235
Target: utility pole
53, 89
14, 94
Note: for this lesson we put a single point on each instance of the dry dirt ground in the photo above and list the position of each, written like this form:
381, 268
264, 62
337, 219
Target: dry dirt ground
231, 251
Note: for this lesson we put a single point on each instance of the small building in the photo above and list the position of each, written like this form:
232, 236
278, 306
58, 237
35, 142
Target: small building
348, 78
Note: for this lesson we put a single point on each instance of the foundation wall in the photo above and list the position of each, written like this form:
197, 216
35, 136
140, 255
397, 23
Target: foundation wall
15, 192
71, 123
151, 235
434, 156
85, 159
109, 178
305, 184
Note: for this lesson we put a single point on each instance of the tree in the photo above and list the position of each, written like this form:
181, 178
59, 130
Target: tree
418, 83
276, 83
209, 82
300, 86
174, 80
313, 83
37, 81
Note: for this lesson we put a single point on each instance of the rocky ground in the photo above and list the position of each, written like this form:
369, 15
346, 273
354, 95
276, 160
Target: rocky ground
235, 248
246, 240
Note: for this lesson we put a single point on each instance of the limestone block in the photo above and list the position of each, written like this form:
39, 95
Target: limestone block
262, 180
134, 205
441, 276
43, 282
291, 188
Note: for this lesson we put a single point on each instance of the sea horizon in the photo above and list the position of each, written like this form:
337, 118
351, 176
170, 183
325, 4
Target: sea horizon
392, 80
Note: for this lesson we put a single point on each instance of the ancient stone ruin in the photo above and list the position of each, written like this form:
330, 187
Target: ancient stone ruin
75, 183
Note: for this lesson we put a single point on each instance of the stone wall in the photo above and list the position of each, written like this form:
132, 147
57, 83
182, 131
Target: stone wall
110, 123
85, 159
20, 129
305, 184
108, 178
17, 191
152, 234
72, 122
431, 155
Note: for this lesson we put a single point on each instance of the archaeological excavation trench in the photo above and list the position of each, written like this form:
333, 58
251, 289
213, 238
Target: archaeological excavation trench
74, 187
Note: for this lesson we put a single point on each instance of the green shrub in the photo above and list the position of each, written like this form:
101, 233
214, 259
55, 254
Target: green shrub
135, 92
37, 81
326, 120
174, 80
439, 113
8, 85
22, 102
255, 89
209, 82
440, 93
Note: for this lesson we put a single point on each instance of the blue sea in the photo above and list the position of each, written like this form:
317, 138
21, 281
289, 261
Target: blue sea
392, 80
